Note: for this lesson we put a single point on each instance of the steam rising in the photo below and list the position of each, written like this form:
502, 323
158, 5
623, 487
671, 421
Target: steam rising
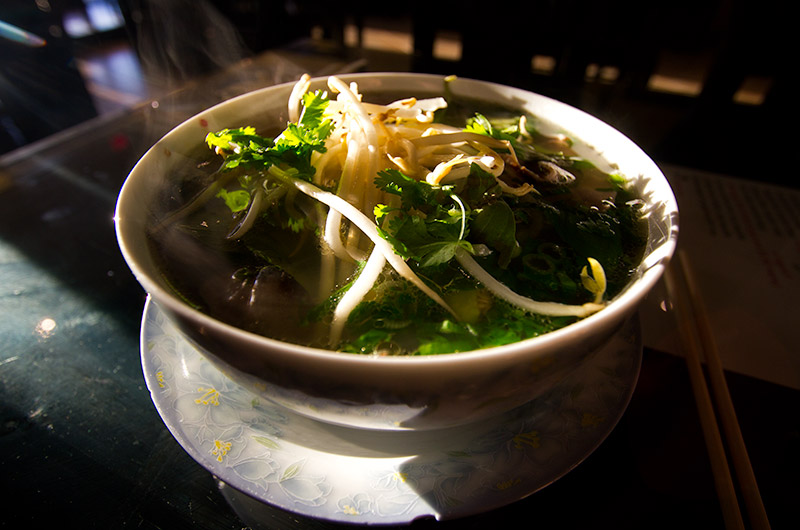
178, 40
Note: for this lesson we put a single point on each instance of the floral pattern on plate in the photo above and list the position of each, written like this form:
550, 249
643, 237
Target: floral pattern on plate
368, 477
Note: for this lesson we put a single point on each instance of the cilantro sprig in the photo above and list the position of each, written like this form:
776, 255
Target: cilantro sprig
429, 225
432, 222
291, 150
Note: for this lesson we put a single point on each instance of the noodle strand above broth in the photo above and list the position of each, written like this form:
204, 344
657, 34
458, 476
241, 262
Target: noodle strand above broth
399, 229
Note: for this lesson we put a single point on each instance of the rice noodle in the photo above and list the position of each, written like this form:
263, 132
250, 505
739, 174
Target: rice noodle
321, 161
364, 120
355, 185
348, 181
368, 129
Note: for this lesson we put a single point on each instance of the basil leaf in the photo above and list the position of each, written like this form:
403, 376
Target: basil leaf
495, 227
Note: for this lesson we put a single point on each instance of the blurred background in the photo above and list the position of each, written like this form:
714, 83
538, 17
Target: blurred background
693, 82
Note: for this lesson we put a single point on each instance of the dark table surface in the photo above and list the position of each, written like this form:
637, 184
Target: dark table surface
82, 443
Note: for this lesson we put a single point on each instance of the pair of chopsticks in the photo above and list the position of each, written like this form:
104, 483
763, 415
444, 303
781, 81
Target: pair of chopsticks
698, 343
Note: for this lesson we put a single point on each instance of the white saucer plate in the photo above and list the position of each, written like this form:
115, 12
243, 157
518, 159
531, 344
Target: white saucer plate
372, 477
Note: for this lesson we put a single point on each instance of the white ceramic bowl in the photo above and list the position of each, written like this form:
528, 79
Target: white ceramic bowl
395, 392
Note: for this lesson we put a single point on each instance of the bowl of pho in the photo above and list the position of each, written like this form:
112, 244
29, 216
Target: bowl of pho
396, 251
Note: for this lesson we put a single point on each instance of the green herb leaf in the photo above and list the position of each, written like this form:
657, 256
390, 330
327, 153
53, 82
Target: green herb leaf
236, 200
291, 150
481, 125
428, 225
413, 193
314, 105
495, 227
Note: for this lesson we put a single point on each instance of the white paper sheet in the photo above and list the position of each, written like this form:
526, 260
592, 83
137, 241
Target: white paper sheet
742, 240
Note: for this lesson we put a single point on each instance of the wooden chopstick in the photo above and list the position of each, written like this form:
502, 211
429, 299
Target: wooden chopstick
733, 434
698, 342
723, 482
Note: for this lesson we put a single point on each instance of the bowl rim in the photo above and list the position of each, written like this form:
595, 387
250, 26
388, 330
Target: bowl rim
625, 301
